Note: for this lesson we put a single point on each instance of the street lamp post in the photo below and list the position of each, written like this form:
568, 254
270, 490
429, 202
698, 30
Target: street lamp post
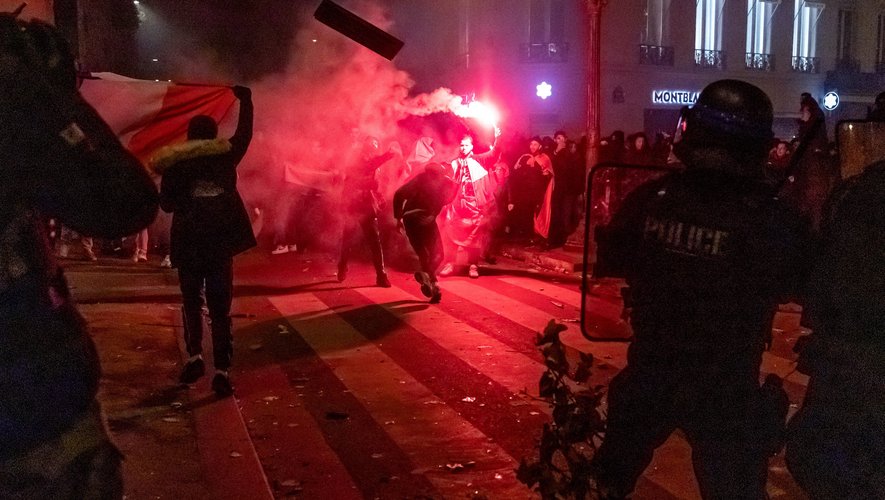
594, 40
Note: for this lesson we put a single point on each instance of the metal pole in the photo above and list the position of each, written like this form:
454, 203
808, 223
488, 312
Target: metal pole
594, 40
591, 155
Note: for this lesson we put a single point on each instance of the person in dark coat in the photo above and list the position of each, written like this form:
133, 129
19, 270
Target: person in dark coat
416, 204
568, 176
708, 254
62, 162
210, 226
877, 112
361, 203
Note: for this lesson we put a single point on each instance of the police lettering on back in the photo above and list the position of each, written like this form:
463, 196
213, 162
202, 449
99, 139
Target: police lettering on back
685, 238
707, 253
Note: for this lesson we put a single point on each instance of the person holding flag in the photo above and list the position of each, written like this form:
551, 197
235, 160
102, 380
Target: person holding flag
210, 226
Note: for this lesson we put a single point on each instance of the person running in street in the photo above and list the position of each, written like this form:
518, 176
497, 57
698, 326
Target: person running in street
415, 207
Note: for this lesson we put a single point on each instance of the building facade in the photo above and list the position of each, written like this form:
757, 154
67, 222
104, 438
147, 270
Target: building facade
656, 56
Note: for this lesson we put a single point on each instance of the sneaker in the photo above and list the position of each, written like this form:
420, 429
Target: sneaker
422, 278
280, 249
166, 262
447, 270
293, 248
221, 385
342, 272
141, 256
382, 280
192, 371
435, 293
473, 272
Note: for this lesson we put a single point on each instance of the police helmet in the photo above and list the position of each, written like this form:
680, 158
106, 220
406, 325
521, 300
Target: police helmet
39, 48
729, 114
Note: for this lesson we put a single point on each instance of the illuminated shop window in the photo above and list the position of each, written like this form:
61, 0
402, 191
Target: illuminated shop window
657, 23
708, 34
805, 20
654, 46
708, 25
759, 14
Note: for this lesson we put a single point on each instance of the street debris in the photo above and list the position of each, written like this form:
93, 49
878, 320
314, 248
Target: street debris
468, 399
558, 304
283, 330
171, 419
256, 347
458, 467
235, 454
270, 398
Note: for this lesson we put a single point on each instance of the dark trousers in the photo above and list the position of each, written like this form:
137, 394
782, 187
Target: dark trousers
425, 239
368, 224
562, 218
217, 278
648, 401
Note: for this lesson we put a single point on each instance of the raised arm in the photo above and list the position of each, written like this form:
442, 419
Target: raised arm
243, 135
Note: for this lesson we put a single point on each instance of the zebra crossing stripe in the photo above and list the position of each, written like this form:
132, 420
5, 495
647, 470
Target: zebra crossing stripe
390, 393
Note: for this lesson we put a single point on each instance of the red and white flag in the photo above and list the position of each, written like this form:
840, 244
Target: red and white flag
147, 115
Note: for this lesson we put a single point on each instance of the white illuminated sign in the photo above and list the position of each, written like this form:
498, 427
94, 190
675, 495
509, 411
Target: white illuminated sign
544, 90
831, 101
677, 97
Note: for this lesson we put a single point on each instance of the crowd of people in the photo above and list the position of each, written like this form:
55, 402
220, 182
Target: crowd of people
707, 251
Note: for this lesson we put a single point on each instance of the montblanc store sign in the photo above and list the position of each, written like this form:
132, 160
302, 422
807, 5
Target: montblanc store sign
676, 97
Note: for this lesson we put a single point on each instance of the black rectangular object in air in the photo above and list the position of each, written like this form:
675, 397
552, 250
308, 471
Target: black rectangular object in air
358, 29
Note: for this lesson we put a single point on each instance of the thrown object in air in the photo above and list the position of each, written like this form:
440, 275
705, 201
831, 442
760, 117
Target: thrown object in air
358, 29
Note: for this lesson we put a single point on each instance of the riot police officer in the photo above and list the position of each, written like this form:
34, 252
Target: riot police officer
60, 160
836, 444
707, 253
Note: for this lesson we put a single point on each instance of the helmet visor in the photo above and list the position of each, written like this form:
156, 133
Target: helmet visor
681, 124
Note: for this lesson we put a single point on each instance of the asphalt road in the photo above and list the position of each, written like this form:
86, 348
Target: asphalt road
346, 390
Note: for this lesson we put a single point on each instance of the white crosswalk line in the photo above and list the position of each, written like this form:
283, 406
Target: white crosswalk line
390, 392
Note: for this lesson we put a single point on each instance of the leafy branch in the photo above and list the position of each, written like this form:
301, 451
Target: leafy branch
563, 466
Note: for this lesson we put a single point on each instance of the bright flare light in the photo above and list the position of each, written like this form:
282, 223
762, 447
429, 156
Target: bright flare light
483, 113
544, 90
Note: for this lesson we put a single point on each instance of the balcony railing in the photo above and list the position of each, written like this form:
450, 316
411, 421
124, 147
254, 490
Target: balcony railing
806, 64
552, 52
655, 55
761, 62
713, 59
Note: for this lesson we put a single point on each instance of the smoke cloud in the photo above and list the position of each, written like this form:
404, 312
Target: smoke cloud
312, 118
